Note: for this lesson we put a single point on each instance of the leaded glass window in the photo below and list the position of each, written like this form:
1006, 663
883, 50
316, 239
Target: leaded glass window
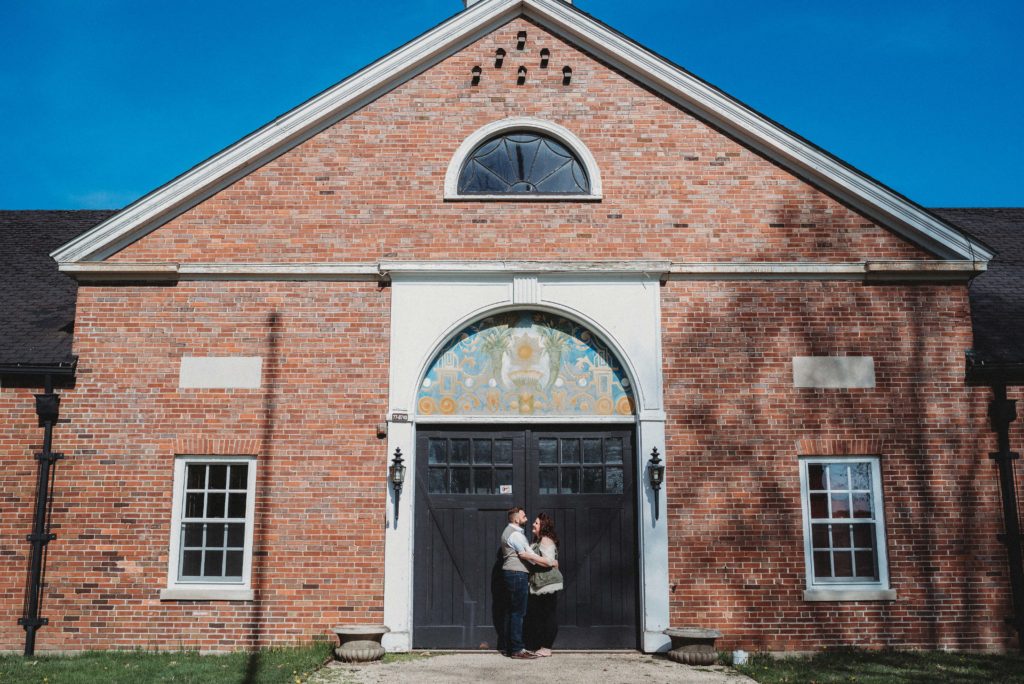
523, 162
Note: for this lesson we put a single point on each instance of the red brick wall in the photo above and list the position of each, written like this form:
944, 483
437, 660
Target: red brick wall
370, 188
320, 499
19, 440
737, 426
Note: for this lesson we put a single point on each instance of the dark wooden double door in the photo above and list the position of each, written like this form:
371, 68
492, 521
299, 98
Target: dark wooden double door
467, 480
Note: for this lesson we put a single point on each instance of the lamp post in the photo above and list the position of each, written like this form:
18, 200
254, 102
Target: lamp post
396, 473
656, 475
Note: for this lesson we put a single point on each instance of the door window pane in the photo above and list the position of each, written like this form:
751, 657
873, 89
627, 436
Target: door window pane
482, 481
547, 450
592, 451
570, 481
613, 450
592, 480
613, 480
502, 451
570, 451
482, 451
437, 481
436, 451
459, 451
549, 480
460, 481
502, 476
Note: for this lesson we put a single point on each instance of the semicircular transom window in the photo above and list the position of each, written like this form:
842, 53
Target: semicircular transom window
525, 363
523, 162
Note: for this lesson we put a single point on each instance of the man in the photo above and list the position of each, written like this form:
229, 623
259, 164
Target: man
516, 553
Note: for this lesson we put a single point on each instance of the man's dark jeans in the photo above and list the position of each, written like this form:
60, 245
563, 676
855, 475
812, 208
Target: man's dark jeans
518, 586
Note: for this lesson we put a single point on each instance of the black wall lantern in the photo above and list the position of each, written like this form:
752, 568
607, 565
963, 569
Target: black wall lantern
656, 474
396, 473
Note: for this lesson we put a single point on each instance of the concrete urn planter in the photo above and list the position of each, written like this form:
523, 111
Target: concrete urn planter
359, 643
693, 645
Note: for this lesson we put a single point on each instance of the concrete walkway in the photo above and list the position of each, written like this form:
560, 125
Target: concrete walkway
561, 668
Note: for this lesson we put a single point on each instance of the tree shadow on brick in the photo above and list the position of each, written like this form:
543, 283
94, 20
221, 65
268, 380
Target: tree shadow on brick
271, 374
735, 519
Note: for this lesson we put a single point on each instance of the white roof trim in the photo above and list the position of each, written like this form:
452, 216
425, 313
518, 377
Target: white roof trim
848, 185
885, 271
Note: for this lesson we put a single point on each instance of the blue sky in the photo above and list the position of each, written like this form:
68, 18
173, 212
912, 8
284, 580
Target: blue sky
102, 101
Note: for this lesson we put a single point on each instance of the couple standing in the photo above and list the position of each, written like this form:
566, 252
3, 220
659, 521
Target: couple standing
531, 578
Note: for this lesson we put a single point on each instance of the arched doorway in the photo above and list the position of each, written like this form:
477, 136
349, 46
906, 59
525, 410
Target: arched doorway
540, 414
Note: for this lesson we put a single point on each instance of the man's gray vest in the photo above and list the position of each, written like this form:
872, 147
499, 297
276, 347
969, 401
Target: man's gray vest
512, 561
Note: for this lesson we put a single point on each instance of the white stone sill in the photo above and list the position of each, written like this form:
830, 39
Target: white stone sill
206, 594
849, 595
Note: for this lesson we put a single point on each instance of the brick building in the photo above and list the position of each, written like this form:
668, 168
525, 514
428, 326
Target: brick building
525, 253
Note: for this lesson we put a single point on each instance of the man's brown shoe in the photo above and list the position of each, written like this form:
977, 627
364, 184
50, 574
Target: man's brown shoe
524, 655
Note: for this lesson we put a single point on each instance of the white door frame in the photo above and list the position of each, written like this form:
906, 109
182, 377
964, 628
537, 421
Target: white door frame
622, 307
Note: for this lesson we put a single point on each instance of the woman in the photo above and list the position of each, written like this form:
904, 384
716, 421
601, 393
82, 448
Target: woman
541, 621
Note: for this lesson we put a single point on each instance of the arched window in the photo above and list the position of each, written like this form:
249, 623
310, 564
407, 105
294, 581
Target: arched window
523, 162
526, 363
522, 158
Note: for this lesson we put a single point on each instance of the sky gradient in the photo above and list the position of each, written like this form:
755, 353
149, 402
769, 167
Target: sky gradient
103, 101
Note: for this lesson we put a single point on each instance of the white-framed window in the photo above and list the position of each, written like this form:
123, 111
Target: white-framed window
844, 528
211, 528
522, 159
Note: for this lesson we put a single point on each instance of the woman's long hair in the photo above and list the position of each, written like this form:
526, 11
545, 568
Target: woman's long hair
547, 528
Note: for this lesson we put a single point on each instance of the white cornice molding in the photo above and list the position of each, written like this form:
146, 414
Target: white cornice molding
869, 271
878, 271
112, 270
603, 268
522, 123
683, 89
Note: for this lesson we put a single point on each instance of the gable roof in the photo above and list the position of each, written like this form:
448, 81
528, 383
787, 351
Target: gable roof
864, 194
37, 302
997, 296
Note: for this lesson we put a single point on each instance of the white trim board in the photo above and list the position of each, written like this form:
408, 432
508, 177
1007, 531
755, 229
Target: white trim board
868, 271
683, 89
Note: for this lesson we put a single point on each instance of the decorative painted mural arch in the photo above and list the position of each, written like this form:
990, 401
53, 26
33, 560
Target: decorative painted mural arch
526, 363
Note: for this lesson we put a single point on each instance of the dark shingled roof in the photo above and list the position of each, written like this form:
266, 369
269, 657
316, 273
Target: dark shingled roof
997, 296
37, 302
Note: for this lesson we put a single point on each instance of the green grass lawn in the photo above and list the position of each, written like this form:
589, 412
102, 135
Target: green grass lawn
887, 667
273, 666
